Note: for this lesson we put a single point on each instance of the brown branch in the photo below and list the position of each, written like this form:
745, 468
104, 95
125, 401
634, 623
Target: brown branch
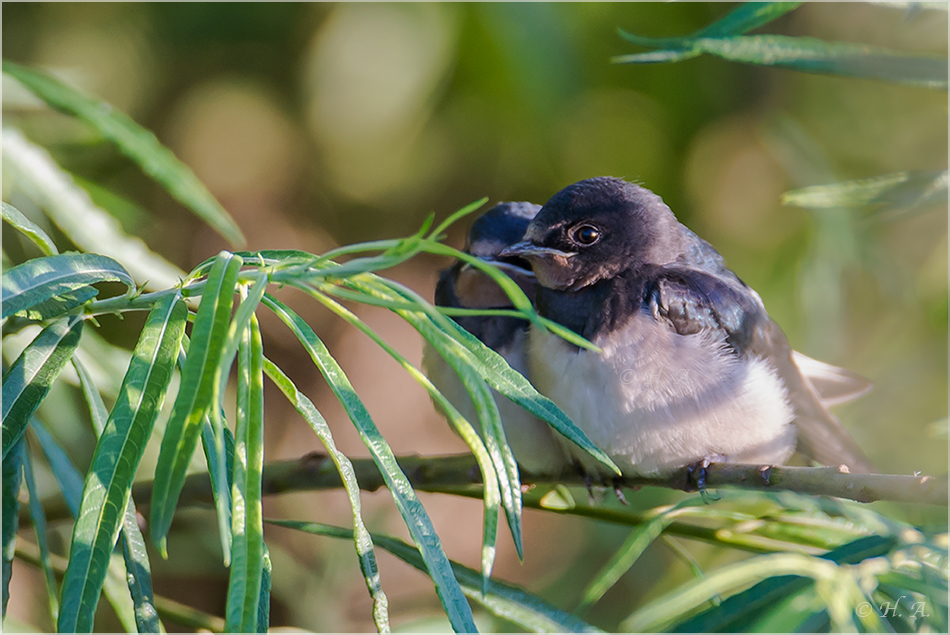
458, 474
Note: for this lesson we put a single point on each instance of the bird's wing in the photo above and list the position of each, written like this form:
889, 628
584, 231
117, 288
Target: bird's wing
694, 301
834, 385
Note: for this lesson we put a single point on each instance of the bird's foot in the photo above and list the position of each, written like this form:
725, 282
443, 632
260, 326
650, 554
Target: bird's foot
696, 475
619, 492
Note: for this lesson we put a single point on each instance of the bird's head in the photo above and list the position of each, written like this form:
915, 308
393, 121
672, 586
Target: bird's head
593, 230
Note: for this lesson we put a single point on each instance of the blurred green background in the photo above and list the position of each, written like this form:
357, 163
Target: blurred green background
320, 125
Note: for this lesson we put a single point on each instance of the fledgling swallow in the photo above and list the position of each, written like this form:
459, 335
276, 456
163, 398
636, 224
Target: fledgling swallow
531, 440
691, 367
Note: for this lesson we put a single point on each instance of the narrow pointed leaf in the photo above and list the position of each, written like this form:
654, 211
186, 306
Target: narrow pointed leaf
489, 365
138, 572
97, 408
70, 482
117, 455
38, 516
263, 607
242, 318
744, 18
195, 395
361, 537
29, 229
413, 513
902, 191
28, 380
88, 226
12, 478
247, 524
492, 493
504, 600
135, 142
42, 279
628, 554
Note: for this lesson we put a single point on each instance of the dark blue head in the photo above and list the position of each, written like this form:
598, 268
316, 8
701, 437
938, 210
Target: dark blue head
595, 229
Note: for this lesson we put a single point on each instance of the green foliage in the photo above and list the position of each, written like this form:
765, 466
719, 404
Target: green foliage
816, 564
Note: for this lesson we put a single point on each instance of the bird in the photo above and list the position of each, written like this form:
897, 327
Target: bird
531, 440
691, 369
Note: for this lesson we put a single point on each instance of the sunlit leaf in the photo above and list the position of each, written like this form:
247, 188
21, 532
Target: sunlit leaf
361, 537
744, 18
247, 525
71, 209
41, 279
899, 192
117, 455
135, 142
412, 511
208, 336
29, 229
28, 380
486, 463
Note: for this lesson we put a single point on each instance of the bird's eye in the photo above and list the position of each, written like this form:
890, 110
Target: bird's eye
586, 235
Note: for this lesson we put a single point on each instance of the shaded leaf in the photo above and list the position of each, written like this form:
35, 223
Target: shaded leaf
38, 517
138, 572
12, 477
109, 480
26, 383
29, 229
42, 279
504, 600
135, 142
413, 513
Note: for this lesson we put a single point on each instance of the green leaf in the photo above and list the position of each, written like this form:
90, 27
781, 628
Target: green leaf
135, 142
898, 192
71, 484
68, 478
98, 413
744, 18
117, 455
42, 279
507, 601
627, 555
247, 524
361, 537
26, 383
38, 516
812, 55
740, 610
741, 607
29, 229
208, 336
12, 476
413, 513
71, 209
139, 573
222, 370
486, 463
263, 607
489, 364
455, 217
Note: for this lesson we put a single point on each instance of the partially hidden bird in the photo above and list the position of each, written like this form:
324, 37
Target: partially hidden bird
690, 366
532, 441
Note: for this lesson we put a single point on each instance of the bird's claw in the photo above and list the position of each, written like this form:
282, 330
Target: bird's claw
696, 475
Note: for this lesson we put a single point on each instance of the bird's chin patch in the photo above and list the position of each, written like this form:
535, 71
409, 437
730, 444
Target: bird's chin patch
554, 272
